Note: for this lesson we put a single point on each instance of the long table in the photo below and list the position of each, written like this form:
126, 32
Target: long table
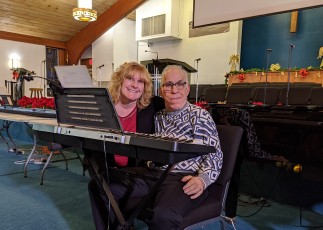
9, 118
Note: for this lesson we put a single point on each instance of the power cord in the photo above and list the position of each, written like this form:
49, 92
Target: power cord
230, 221
108, 181
264, 203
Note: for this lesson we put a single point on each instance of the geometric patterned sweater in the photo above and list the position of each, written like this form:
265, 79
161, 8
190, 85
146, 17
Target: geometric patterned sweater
193, 123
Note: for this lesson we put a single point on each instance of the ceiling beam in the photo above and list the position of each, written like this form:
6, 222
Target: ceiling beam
84, 38
32, 40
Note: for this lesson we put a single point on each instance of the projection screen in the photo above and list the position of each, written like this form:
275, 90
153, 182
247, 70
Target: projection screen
208, 12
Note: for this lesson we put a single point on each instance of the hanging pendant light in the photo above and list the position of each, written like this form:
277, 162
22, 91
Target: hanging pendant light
84, 11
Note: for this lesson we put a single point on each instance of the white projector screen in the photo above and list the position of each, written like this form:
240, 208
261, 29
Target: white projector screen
208, 12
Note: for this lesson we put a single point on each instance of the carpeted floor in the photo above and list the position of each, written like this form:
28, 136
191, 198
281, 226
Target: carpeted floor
62, 202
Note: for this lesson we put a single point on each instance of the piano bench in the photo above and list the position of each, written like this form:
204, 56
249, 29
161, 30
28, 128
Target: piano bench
36, 92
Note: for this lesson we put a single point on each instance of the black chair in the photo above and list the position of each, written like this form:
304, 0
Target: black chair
259, 84
240, 95
317, 96
215, 94
297, 95
308, 84
278, 84
200, 93
211, 208
272, 95
240, 84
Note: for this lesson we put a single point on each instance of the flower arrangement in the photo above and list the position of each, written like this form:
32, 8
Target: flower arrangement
202, 104
275, 67
303, 72
35, 102
241, 77
15, 75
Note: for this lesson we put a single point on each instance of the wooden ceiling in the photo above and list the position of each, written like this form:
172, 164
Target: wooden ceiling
49, 19
50, 23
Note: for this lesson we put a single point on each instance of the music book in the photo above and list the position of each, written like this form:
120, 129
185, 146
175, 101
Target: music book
74, 76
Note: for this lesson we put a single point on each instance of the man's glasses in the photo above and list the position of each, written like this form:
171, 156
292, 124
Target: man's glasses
179, 85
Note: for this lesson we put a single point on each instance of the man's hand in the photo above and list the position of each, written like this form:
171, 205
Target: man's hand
279, 158
194, 186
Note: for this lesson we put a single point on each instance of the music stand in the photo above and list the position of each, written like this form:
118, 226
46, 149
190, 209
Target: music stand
87, 107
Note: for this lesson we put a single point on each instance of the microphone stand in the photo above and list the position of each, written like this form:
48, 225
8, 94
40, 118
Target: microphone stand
45, 77
53, 85
99, 80
289, 69
265, 92
157, 80
197, 79
156, 73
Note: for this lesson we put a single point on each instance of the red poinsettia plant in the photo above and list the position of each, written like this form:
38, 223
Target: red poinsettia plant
35, 102
202, 104
241, 77
303, 72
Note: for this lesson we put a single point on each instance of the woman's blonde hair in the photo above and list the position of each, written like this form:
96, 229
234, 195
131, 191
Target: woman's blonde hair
129, 69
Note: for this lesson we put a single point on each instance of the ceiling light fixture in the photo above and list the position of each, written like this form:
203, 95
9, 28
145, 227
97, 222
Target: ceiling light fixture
84, 11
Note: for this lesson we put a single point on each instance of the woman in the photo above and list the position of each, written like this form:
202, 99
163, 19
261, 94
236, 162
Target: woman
131, 91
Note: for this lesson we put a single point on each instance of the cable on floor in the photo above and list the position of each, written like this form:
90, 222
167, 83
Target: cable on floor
266, 198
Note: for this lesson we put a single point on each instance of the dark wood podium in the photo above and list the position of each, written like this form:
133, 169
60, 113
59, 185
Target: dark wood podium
160, 64
156, 66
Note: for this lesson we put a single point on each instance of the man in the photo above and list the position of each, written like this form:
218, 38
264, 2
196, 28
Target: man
184, 189
186, 186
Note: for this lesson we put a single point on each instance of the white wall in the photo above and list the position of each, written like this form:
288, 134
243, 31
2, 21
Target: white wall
31, 57
102, 54
214, 50
124, 42
116, 46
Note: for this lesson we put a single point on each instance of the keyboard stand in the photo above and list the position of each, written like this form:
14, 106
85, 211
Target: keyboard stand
126, 224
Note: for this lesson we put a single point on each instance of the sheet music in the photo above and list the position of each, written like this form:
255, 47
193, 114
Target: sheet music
75, 76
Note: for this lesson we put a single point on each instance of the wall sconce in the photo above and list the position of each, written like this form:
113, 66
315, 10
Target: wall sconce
84, 11
14, 61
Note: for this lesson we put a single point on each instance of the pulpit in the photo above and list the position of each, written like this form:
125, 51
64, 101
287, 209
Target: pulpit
156, 66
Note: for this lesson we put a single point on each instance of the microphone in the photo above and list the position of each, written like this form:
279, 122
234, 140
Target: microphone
198, 59
28, 78
292, 46
269, 50
99, 67
152, 52
296, 168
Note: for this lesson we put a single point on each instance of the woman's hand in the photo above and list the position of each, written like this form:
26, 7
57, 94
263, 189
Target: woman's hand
194, 186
